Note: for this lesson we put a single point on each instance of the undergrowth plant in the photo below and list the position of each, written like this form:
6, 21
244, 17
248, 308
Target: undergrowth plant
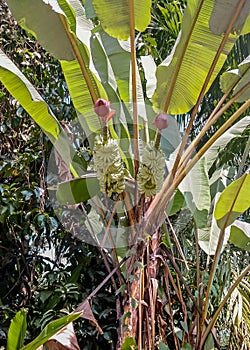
132, 187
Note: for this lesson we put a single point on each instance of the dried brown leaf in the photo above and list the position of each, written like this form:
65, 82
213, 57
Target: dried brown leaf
87, 313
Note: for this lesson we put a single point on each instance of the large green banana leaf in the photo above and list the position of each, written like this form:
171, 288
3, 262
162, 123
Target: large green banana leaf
110, 81
85, 91
208, 236
51, 329
115, 16
234, 201
181, 76
67, 19
22, 90
197, 193
119, 59
37, 18
17, 330
240, 235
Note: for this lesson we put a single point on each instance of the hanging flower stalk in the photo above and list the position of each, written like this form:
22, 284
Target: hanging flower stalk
151, 172
108, 163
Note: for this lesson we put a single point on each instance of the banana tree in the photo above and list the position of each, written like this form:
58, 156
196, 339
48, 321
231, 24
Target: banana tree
131, 184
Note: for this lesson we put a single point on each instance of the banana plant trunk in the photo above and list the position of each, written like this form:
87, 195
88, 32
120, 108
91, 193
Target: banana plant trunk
142, 317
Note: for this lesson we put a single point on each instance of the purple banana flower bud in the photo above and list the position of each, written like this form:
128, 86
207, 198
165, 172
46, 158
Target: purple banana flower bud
161, 121
103, 110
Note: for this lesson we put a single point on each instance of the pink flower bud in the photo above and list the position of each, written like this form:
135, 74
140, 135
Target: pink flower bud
161, 121
102, 107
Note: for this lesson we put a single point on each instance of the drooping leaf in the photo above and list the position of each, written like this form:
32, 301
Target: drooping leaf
176, 203
88, 314
241, 76
80, 95
170, 138
17, 331
51, 329
234, 201
77, 190
38, 18
220, 179
208, 236
219, 22
107, 68
75, 30
22, 90
118, 54
114, 16
240, 235
181, 76
84, 86
196, 191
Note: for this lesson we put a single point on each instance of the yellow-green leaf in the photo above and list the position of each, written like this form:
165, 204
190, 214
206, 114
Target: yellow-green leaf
23, 91
240, 235
234, 201
77, 190
17, 331
51, 329
114, 16
181, 75
239, 78
45, 24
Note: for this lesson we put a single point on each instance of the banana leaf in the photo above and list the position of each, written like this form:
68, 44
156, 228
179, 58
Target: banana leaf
62, 29
239, 77
115, 16
23, 91
234, 201
181, 76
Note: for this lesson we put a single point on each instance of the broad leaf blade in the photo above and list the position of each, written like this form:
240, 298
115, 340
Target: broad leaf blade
240, 77
83, 85
196, 191
17, 331
80, 94
240, 235
208, 236
45, 24
219, 22
181, 76
128, 344
104, 68
119, 59
234, 201
22, 90
51, 329
77, 190
114, 16
87, 314
74, 31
